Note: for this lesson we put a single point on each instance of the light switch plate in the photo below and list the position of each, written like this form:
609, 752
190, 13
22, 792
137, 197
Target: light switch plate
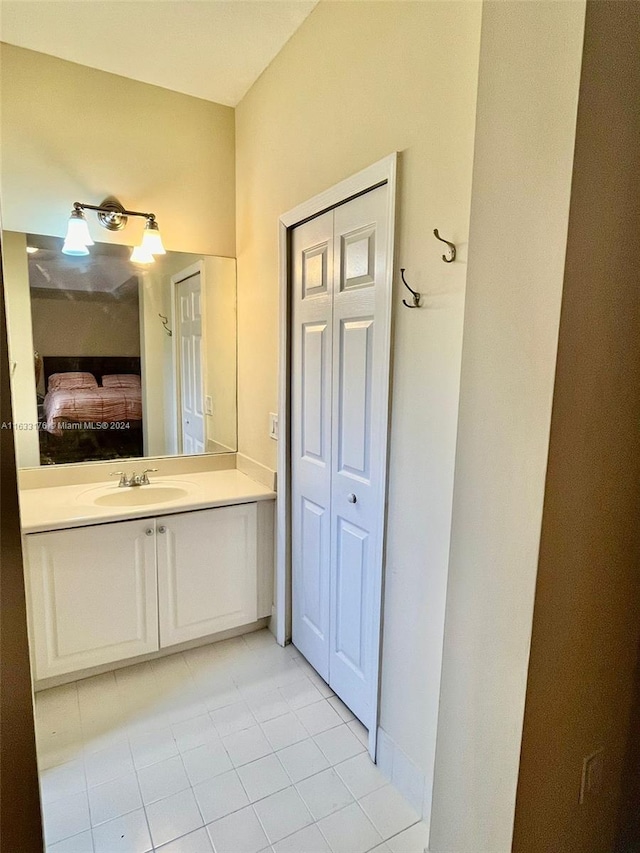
208, 405
273, 426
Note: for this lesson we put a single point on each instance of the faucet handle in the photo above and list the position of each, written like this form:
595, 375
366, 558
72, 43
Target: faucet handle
149, 470
144, 480
122, 475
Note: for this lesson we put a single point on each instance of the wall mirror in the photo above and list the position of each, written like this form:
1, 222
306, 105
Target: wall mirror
115, 360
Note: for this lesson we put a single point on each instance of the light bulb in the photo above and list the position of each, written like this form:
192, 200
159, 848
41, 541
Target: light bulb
140, 255
151, 239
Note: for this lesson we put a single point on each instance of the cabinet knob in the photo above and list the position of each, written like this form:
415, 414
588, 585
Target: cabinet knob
162, 529
149, 531
352, 498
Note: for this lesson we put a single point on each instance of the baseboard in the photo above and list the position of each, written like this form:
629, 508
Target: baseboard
78, 675
404, 775
256, 470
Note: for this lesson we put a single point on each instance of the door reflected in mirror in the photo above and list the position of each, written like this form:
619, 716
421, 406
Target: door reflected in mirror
116, 360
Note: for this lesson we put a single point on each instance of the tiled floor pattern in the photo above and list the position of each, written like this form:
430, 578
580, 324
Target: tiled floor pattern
236, 747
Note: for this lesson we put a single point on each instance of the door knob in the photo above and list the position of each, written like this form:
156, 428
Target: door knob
162, 529
352, 498
149, 531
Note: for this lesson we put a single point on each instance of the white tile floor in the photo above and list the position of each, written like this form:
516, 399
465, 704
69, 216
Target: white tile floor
236, 747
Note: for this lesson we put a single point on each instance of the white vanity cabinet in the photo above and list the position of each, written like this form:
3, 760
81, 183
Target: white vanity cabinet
92, 595
108, 592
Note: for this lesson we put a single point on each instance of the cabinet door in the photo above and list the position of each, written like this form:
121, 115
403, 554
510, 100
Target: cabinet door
207, 572
93, 595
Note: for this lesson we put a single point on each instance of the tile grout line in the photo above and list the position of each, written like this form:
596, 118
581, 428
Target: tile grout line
252, 670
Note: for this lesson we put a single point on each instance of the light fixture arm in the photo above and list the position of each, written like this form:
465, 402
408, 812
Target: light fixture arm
111, 214
104, 208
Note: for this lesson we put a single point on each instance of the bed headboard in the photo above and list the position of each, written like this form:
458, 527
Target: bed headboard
99, 365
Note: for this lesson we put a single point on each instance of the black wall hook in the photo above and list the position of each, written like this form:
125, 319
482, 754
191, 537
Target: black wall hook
414, 293
165, 323
451, 246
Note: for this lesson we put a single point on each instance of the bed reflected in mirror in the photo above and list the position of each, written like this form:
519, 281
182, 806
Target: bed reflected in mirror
90, 407
117, 360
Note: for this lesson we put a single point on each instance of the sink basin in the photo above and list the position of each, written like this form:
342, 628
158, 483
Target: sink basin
133, 496
141, 495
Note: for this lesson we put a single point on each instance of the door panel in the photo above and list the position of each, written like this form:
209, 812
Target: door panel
315, 270
207, 572
351, 576
187, 373
361, 311
312, 265
358, 258
314, 381
354, 400
191, 381
315, 532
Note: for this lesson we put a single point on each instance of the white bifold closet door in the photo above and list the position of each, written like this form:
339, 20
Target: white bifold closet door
340, 385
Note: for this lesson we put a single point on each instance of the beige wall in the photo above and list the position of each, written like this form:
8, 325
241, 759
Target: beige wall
80, 326
527, 99
71, 133
157, 364
356, 82
586, 624
220, 342
20, 342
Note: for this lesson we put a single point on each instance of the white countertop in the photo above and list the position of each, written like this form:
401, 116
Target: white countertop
57, 507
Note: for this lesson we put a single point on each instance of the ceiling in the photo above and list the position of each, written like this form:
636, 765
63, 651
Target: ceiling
212, 49
106, 271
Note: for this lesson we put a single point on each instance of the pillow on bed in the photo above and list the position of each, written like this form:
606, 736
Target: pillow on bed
71, 380
121, 380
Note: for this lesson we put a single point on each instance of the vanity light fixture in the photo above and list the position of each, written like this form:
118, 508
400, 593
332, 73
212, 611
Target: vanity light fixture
113, 216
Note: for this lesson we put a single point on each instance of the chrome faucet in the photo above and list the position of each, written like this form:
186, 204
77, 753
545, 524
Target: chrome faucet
133, 479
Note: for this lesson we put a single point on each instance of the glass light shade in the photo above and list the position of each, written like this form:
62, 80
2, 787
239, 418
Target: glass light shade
78, 230
73, 247
151, 239
140, 255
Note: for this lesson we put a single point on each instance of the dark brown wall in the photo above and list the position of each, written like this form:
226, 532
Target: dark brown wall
587, 610
629, 833
20, 821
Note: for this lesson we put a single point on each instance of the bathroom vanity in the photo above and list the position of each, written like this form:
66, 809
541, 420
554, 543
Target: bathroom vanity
117, 573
